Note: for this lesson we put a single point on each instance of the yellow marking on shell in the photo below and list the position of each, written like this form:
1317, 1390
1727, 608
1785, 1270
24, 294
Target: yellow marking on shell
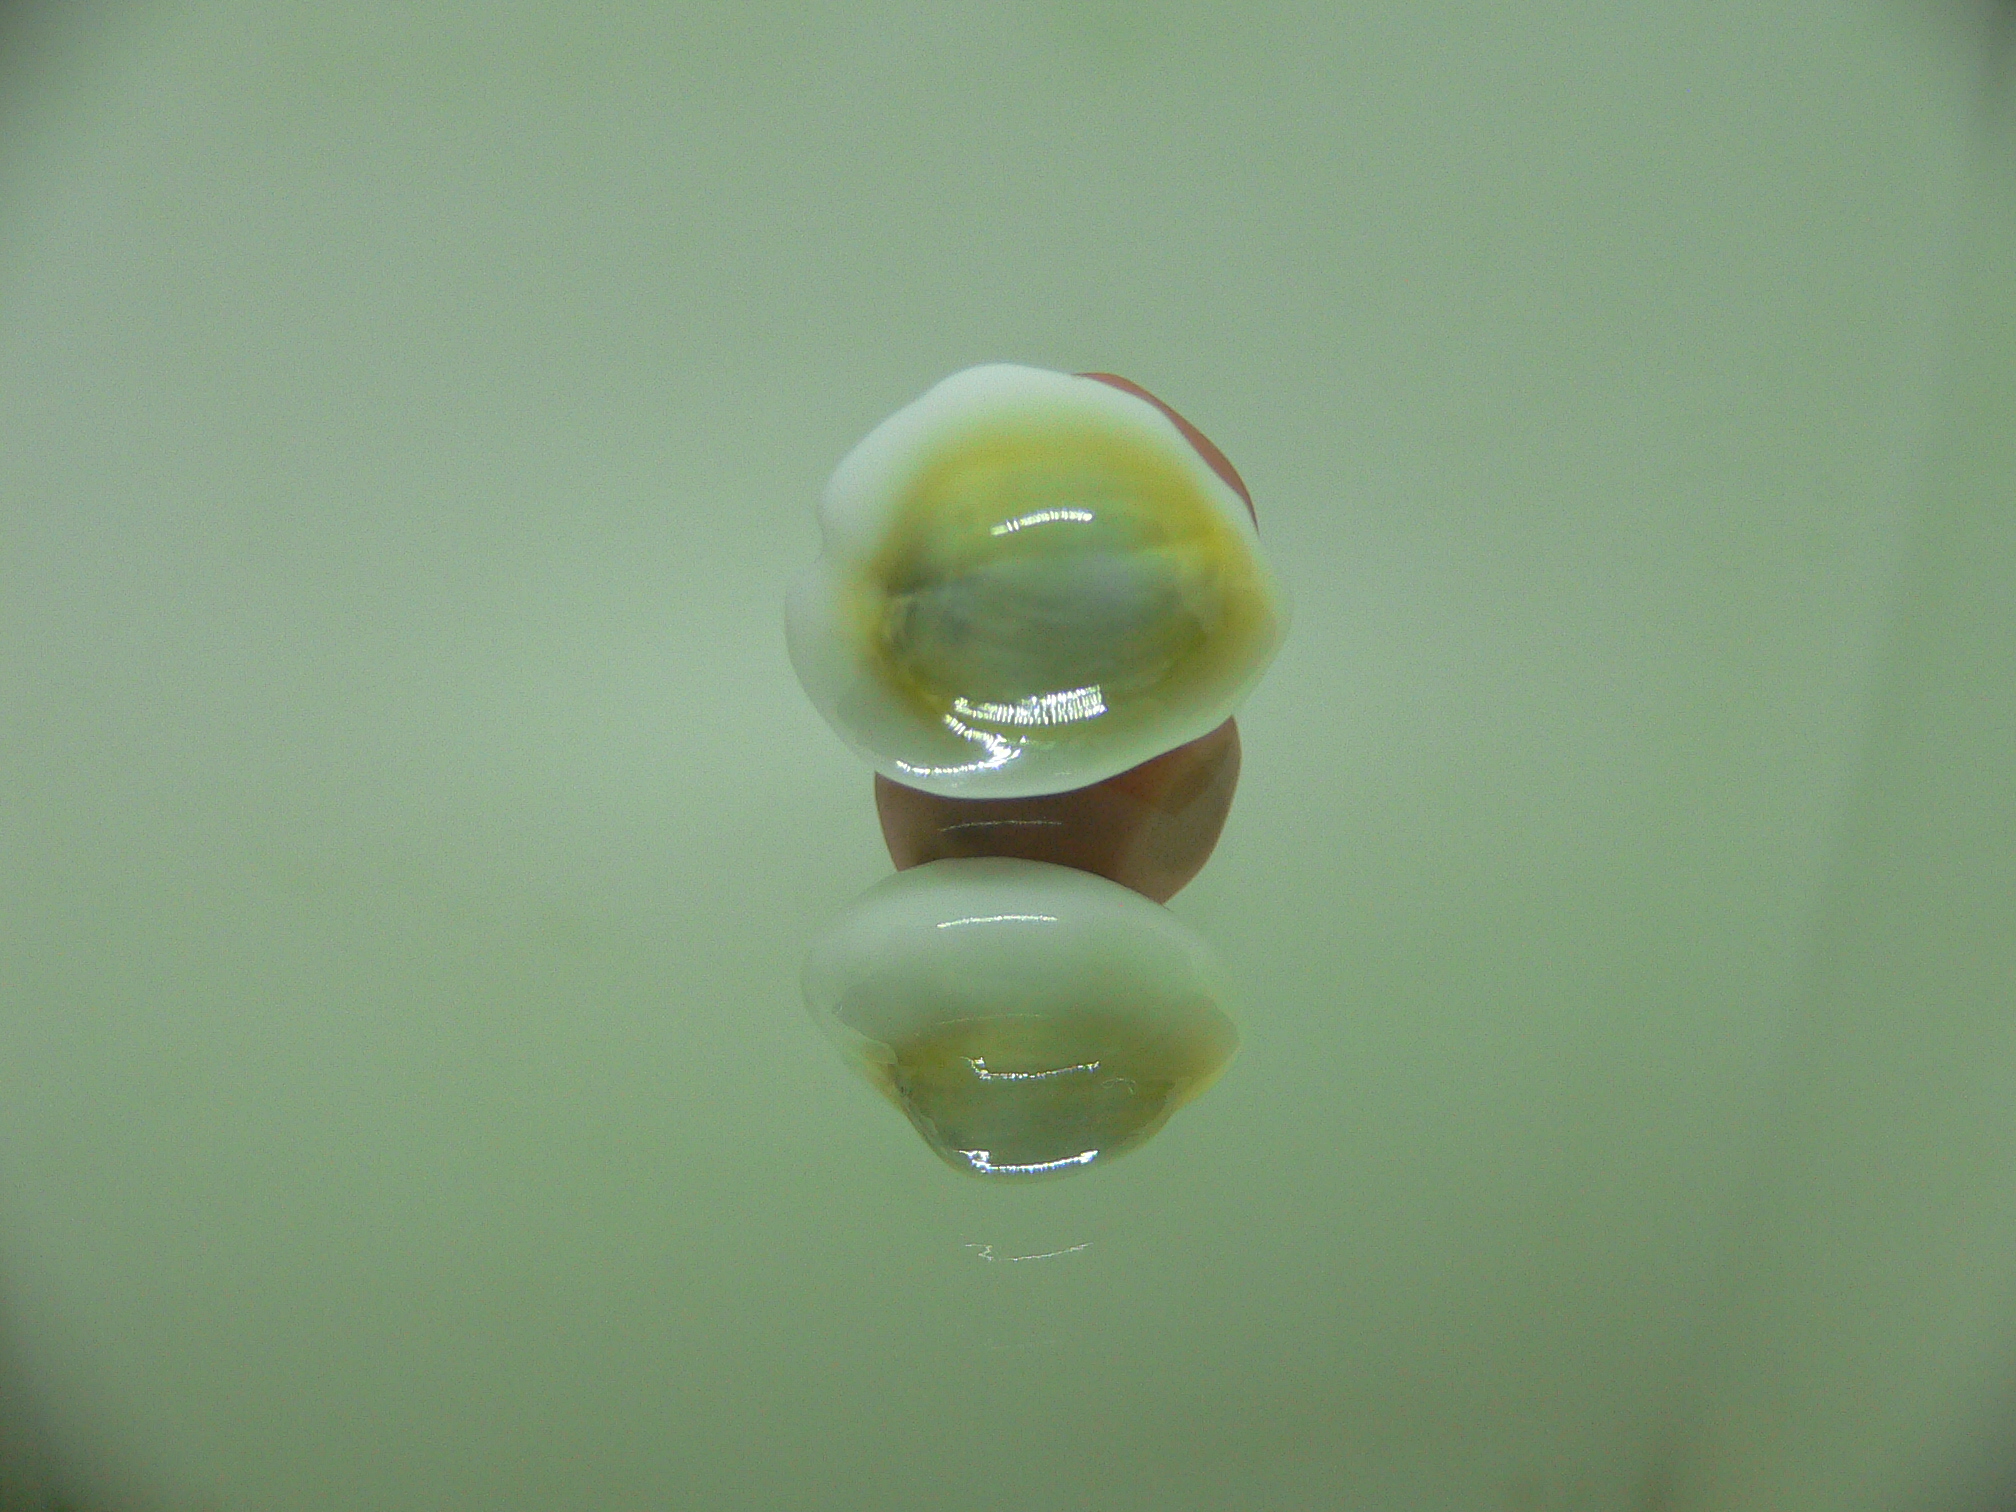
1040, 490
1102, 1078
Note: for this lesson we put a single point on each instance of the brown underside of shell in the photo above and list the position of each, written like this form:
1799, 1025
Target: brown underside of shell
1150, 828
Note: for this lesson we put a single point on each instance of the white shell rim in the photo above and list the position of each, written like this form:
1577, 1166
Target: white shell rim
968, 932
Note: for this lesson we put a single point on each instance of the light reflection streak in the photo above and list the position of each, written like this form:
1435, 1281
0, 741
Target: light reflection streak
999, 753
966, 824
1042, 517
986, 1252
980, 1069
982, 1162
1067, 706
1000, 919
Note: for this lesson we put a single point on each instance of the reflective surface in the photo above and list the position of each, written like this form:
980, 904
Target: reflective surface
1028, 1019
411, 828
1151, 828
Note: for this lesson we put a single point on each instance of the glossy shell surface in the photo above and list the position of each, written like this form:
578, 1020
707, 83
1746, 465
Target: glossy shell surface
1031, 581
1151, 828
1027, 1019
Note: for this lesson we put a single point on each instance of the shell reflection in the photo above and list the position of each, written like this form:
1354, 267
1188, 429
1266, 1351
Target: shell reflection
1152, 828
1030, 582
1028, 1019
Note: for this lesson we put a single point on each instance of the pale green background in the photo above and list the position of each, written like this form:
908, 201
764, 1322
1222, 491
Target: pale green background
409, 418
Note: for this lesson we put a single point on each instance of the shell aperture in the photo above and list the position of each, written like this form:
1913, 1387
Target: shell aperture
1031, 581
